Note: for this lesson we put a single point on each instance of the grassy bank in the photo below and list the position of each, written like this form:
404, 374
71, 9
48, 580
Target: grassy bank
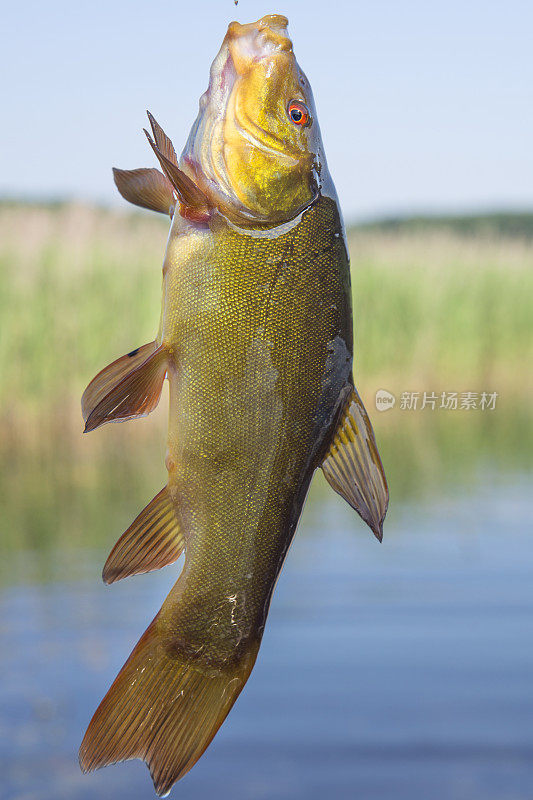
441, 310
435, 311
80, 286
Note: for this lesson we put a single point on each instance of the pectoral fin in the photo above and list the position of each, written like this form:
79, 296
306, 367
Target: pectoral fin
152, 541
130, 387
194, 204
353, 468
163, 142
147, 188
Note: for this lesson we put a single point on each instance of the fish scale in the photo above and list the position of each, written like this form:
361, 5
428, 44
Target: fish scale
251, 402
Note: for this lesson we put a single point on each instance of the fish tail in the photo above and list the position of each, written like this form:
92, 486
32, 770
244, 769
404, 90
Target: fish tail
162, 709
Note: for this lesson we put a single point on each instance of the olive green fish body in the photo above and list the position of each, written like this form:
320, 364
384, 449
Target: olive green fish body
255, 339
261, 332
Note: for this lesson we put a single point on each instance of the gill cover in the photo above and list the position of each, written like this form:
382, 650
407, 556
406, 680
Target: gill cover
250, 157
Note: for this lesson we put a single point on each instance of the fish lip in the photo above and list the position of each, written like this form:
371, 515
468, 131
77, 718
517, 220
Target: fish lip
275, 24
252, 43
273, 21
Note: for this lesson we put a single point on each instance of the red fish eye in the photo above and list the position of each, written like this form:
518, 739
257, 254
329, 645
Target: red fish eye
298, 113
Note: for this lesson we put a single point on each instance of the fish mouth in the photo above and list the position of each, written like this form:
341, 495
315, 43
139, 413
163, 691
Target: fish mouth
244, 46
252, 42
248, 45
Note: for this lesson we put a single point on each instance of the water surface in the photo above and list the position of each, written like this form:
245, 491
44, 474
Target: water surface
403, 670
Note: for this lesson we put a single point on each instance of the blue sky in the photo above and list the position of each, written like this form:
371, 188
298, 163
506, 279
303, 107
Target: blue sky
423, 106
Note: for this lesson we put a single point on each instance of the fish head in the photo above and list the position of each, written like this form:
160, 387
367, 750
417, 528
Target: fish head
255, 149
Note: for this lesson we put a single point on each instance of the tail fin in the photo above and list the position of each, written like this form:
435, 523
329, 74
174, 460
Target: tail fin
162, 710
152, 541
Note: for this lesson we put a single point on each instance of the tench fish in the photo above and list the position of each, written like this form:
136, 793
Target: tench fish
255, 340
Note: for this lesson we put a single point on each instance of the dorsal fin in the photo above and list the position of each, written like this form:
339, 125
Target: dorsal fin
353, 468
147, 188
194, 204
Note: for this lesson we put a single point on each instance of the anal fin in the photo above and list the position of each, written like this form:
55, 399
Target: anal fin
152, 541
353, 468
130, 387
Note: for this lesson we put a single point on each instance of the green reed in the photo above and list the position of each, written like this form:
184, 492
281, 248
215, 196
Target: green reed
434, 311
80, 286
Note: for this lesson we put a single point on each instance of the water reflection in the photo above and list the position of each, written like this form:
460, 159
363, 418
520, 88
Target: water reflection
63, 493
401, 670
